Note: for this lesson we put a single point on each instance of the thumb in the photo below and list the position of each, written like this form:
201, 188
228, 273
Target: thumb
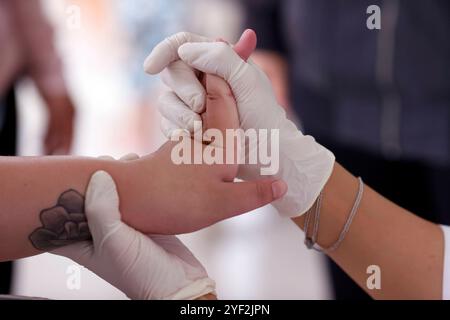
246, 44
102, 205
257, 193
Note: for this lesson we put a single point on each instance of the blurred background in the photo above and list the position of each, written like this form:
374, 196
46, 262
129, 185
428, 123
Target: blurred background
71, 81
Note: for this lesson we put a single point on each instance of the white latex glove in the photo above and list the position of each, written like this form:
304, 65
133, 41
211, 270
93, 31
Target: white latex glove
141, 266
304, 164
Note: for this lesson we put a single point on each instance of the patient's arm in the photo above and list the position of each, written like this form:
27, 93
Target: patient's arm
31, 186
408, 249
41, 198
47, 192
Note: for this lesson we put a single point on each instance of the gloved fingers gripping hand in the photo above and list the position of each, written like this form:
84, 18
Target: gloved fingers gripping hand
180, 107
149, 270
304, 164
82, 252
251, 87
189, 89
173, 108
166, 60
145, 269
141, 267
102, 197
166, 51
170, 129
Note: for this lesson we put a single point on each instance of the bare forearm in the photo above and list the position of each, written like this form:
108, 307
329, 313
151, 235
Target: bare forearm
408, 249
46, 192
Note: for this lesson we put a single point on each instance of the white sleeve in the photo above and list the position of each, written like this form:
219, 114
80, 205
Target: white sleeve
446, 275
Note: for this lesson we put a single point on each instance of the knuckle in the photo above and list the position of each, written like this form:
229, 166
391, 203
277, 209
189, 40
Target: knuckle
217, 87
219, 51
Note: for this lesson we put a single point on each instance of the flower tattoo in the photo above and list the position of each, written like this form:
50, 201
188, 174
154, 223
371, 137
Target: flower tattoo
63, 224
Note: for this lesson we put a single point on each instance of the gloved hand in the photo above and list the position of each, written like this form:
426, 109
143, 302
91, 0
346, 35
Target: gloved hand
141, 266
304, 164
446, 276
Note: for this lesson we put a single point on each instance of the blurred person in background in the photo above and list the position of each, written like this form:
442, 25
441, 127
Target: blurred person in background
380, 99
27, 50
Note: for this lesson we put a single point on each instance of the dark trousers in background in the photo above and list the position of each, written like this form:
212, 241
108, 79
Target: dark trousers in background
415, 186
8, 147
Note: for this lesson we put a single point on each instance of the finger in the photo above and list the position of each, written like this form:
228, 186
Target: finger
246, 44
257, 194
215, 58
102, 205
80, 252
172, 108
183, 80
167, 51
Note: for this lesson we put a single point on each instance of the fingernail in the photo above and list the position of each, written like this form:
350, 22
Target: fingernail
279, 188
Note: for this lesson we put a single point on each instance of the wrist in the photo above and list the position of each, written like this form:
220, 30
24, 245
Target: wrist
306, 166
338, 198
134, 181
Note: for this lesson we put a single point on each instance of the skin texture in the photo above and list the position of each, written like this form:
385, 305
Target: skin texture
408, 249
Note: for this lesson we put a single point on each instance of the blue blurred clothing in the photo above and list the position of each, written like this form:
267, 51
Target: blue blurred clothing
383, 91
146, 23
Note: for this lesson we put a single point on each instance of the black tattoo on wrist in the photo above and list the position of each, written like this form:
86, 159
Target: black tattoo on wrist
63, 224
